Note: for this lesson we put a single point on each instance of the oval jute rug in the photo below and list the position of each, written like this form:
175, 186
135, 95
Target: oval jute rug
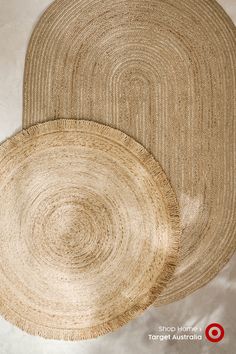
89, 231
164, 72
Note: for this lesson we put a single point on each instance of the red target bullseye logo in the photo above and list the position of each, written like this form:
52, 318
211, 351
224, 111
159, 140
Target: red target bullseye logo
214, 332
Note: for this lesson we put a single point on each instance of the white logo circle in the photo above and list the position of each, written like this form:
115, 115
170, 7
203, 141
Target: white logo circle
213, 329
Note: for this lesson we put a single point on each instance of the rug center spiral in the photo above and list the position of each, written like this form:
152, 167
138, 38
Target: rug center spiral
67, 228
75, 230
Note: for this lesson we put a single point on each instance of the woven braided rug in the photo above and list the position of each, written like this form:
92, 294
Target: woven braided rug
162, 71
89, 231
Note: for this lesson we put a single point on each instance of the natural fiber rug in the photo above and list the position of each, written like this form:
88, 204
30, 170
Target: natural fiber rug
164, 72
89, 229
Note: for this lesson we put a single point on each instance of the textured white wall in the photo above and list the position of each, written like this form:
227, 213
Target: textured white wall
213, 303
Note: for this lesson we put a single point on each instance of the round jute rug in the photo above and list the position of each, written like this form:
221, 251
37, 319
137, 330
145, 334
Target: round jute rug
89, 229
164, 72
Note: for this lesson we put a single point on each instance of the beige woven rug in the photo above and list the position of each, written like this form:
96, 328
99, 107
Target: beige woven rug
89, 232
162, 71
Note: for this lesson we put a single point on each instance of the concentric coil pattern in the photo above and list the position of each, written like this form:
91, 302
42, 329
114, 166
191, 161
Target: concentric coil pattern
89, 231
162, 71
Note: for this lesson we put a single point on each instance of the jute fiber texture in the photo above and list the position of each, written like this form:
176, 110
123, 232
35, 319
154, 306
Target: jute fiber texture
89, 231
162, 71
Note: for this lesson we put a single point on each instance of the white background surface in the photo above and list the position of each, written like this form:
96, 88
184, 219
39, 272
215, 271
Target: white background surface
213, 303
